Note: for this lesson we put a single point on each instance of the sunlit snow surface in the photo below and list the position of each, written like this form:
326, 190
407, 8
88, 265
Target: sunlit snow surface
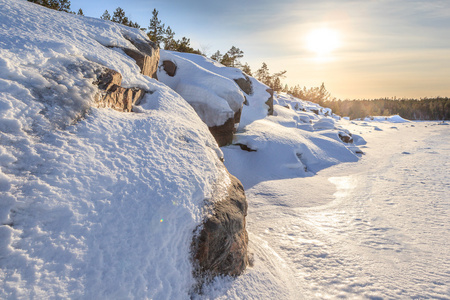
97, 204
375, 229
94, 203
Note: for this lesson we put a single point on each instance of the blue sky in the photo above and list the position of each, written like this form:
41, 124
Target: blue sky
386, 48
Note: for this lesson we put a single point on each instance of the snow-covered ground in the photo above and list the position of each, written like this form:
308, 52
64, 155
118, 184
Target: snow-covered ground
94, 203
373, 229
99, 204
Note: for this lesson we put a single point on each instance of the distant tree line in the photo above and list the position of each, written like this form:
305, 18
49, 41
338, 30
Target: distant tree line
411, 109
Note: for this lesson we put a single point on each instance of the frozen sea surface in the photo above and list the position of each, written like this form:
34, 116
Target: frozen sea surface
375, 229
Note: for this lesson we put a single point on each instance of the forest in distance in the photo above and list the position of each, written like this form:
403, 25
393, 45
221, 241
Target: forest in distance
437, 108
412, 109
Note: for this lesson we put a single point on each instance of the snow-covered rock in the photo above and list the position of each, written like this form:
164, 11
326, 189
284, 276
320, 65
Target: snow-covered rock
299, 140
112, 95
221, 247
95, 203
256, 102
216, 99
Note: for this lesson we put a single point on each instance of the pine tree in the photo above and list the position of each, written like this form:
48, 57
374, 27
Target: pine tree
226, 60
119, 16
234, 54
246, 69
80, 12
169, 39
263, 75
156, 29
106, 16
217, 56
64, 5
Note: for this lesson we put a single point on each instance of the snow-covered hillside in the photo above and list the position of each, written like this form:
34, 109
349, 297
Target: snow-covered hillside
101, 204
95, 204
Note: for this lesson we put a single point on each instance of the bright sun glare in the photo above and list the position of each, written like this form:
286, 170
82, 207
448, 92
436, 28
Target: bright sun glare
322, 41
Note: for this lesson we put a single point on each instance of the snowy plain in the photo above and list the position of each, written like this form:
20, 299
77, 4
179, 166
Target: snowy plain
373, 229
98, 204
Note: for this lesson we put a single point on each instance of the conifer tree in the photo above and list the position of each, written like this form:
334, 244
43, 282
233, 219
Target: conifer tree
80, 12
156, 29
226, 60
234, 54
169, 39
263, 75
119, 16
246, 69
64, 5
217, 56
106, 16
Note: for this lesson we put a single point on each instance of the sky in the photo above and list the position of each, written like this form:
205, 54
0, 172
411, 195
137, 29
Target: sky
359, 49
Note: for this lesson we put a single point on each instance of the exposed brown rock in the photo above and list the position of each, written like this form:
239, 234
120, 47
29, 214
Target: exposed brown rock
237, 116
170, 67
147, 64
223, 133
346, 137
245, 147
245, 84
221, 246
269, 102
146, 56
112, 95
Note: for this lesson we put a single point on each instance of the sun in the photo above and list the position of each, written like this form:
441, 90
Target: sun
322, 41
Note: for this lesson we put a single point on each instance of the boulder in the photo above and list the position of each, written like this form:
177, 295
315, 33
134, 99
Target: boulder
170, 67
112, 95
221, 246
346, 137
223, 134
269, 102
245, 84
146, 56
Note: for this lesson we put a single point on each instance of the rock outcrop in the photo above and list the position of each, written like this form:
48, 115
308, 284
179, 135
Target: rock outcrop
245, 84
269, 102
112, 95
218, 100
221, 246
223, 133
146, 56
170, 67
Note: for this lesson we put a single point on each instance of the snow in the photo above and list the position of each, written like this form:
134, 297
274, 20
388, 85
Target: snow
95, 204
372, 229
390, 119
215, 98
213, 78
99, 204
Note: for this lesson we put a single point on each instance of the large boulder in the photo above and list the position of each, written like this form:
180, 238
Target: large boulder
112, 95
245, 84
170, 67
146, 55
218, 100
221, 246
